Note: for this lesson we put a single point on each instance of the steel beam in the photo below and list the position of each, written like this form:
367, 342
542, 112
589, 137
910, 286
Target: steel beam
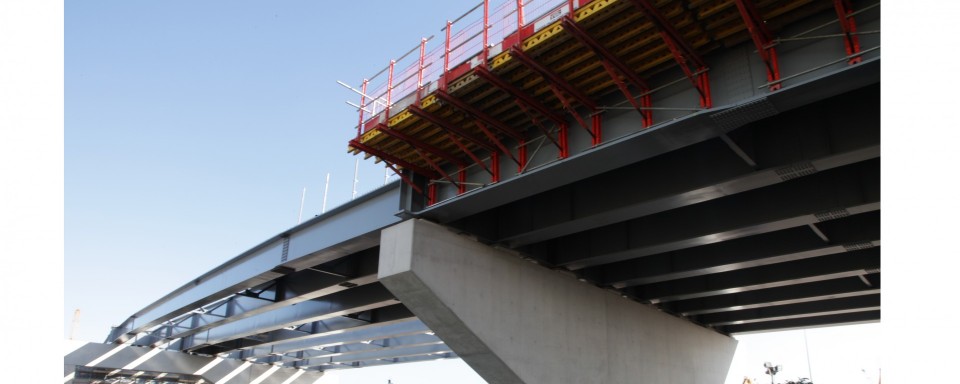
346, 230
708, 176
305, 336
791, 294
386, 353
777, 275
776, 247
807, 322
338, 304
370, 345
288, 290
820, 197
793, 311
395, 360
375, 331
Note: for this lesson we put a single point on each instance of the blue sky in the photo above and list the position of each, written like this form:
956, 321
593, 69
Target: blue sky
190, 129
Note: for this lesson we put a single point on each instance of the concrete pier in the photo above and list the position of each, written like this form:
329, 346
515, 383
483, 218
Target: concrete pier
514, 321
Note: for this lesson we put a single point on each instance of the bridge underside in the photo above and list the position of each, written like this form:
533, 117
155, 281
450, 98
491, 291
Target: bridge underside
770, 226
757, 211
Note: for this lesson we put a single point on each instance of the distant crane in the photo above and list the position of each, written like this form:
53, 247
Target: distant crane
76, 320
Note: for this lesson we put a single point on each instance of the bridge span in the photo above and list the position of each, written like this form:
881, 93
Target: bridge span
592, 191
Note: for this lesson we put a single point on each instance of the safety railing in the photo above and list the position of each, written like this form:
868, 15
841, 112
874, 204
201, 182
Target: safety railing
466, 44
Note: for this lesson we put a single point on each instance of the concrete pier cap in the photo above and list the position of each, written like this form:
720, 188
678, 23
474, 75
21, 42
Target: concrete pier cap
516, 322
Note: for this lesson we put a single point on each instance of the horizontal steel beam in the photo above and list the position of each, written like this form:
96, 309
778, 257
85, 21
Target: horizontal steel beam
264, 343
338, 304
776, 247
793, 311
807, 200
370, 345
375, 331
789, 294
784, 147
386, 353
394, 360
806, 322
770, 276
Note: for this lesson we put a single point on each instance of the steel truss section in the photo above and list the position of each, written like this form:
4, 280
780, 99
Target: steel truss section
689, 60
762, 39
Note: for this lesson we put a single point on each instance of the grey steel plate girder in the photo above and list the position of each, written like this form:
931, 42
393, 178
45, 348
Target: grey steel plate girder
807, 200
797, 243
347, 229
287, 290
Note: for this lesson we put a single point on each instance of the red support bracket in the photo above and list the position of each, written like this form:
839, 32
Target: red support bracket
519, 94
495, 164
476, 113
558, 83
851, 42
437, 167
572, 111
404, 177
552, 77
462, 187
431, 194
419, 144
561, 136
762, 38
449, 127
522, 151
469, 153
612, 64
684, 54
493, 138
597, 128
395, 160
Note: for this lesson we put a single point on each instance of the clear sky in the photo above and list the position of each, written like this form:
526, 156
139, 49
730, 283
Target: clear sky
190, 129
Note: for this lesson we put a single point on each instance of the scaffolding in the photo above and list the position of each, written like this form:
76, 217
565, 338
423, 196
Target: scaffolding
508, 73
